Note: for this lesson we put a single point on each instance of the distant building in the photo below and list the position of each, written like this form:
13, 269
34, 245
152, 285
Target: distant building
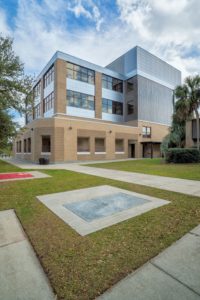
191, 133
83, 111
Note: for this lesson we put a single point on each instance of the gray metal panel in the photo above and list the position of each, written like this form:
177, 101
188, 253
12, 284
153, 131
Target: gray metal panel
125, 63
155, 102
157, 68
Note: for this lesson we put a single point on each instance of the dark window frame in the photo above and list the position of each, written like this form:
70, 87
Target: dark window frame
80, 73
112, 83
146, 131
111, 107
46, 148
80, 100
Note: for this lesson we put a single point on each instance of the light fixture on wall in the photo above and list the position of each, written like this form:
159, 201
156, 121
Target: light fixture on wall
70, 127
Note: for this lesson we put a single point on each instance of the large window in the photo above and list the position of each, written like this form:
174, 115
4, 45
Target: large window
112, 107
130, 108
111, 83
48, 102
37, 111
119, 145
37, 90
83, 144
46, 144
80, 73
99, 145
49, 76
146, 132
80, 100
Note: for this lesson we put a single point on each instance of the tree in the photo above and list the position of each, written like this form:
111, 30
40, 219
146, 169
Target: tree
14, 85
15, 88
188, 96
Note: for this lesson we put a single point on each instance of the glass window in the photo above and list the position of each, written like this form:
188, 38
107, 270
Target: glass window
48, 102
80, 73
80, 100
111, 83
99, 145
146, 132
129, 85
83, 144
37, 111
29, 145
112, 107
24, 146
130, 108
37, 90
49, 76
46, 144
119, 145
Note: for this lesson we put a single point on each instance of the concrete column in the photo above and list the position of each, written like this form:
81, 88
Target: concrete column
98, 95
60, 73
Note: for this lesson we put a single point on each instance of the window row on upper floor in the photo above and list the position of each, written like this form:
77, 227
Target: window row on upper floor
87, 75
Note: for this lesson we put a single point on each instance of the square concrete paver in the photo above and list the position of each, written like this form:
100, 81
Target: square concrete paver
91, 209
9, 232
21, 275
182, 261
149, 283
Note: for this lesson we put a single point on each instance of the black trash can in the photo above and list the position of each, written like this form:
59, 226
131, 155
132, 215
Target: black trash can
43, 161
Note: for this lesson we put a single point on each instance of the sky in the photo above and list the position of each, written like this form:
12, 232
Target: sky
101, 30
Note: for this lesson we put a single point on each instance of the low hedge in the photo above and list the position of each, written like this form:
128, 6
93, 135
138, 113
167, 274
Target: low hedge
182, 155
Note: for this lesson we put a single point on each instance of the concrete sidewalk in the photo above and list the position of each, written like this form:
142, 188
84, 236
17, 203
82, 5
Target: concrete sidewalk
172, 275
21, 275
184, 186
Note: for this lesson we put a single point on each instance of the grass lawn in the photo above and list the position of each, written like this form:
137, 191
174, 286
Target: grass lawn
154, 166
83, 267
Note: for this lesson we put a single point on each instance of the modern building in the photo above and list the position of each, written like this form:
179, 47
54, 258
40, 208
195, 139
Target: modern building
83, 111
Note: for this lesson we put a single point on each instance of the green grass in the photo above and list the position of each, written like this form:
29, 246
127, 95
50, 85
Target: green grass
154, 166
83, 267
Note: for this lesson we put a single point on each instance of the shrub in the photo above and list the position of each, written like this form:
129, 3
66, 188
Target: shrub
182, 155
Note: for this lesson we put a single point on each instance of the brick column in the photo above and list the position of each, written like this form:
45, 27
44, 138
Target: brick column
98, 95
60, 73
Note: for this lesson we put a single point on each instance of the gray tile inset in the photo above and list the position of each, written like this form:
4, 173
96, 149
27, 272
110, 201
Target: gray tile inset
97, 214
104, 206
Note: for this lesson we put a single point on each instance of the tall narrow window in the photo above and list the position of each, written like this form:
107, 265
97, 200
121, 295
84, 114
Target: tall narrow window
29, 145
24, 146
130, 108
46, 144
129, 85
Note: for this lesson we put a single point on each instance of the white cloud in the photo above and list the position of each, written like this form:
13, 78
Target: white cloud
167, 28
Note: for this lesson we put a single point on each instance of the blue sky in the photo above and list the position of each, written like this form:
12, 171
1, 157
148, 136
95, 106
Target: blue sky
101, 30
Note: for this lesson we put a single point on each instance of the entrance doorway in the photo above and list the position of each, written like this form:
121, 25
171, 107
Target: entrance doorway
131, 150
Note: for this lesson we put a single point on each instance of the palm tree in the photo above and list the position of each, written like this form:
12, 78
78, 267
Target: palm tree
188, 104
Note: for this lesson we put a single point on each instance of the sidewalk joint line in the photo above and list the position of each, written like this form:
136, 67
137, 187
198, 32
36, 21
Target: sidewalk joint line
173, 277
11, 243
193, 233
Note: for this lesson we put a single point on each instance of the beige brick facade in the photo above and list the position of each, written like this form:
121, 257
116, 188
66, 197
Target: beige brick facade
63, 131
